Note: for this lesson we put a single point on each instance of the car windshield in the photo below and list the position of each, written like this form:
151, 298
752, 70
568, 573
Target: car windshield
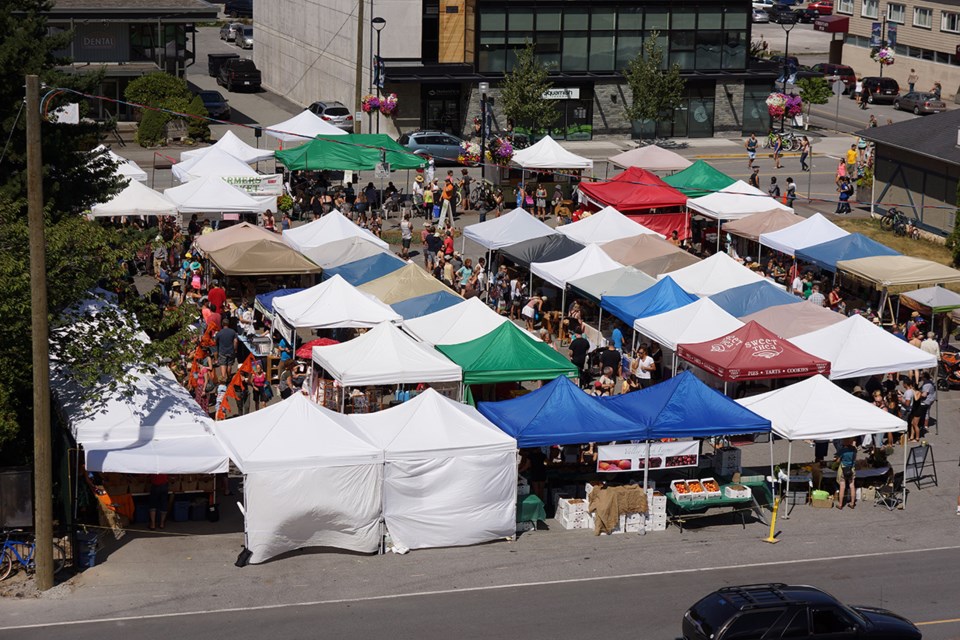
211, 96
336, 111
248, 31
244, 65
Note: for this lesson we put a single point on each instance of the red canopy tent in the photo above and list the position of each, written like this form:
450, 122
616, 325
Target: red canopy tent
752, 352
305, 352
634, 193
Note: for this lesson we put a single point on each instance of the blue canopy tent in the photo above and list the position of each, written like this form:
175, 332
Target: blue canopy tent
366, 269
427, 303
750, 298
560, 413
664, 296
264, 302
850, 247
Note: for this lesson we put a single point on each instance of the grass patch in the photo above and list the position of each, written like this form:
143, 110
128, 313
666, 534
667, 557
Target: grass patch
907, 246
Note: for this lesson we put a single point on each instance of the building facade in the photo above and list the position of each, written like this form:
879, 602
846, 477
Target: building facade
926, 34
436, 52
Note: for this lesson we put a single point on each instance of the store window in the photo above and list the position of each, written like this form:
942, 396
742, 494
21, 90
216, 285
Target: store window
629, 44
845, 6
870, 8
735, 50
755, 117
630, 18
950, 22
709, 50
896, 13
923, 17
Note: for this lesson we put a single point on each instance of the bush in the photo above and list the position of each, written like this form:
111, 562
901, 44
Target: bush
157, 90
198, 128
151, 133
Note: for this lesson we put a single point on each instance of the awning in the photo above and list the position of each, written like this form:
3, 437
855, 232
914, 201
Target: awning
832, 24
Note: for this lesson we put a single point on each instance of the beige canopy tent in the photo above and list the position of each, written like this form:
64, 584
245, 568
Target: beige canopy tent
243, 232
406, 282
666, 263
764, 222
259, 258
651, 158
634, 249
790, 320
899, 271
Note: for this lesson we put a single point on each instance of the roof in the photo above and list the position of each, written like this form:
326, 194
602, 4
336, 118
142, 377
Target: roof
756, 224
734, 202
630, 251
548, 154
585, 262
750, 298
351, 152
664, 296
332, 303
935, 299
409, 281
510, 228
543, 249
814, 230
651, 158
850, 247
699, 179
125, 9
922, 136
605, 225
792, 320
894, 271
366, 269
696, 322
633, 191
713, 275
332, 227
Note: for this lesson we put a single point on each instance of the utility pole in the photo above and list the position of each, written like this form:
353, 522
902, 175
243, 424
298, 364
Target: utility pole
357, 88
42, 458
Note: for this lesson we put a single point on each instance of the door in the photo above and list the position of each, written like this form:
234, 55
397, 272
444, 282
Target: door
442, 114
830, 623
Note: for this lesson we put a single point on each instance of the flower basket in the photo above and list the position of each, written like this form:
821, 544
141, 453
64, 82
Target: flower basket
499, 152
370, 103
777, 105
883, 56
388, 104
794, 106
469, 154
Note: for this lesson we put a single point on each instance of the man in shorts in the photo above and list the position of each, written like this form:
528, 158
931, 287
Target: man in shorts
406, 234
751, 147
226, 349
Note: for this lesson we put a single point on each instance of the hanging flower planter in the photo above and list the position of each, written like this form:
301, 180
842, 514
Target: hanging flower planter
370, 103
776, 105
499, 152
884, 56
388, 104
469, 154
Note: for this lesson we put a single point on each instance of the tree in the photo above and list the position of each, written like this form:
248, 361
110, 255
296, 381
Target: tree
953, 240
656, 90
522, 89
166, 93
814, 91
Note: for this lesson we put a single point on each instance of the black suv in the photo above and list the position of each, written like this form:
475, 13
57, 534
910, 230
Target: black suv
877, 89
782, 14
766, 611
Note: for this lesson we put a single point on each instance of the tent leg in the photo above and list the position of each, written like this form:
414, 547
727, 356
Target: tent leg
343, 398
724, 387
903, 486
563, 305
600, 320
773, 477
646, 466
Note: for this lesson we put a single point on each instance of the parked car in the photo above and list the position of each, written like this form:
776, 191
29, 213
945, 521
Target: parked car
782, 14
239, 73
762, 4
442, 147
216, 60
217, 106
760, 16
806, 15
336, 113
920, 102
245, 38
238, 8
847, 75
767, 611
877, 90
230, 30
823, 7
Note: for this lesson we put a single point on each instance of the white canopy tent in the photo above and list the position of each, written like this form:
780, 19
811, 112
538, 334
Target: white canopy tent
651, 158
548, 154
717, 273
302, 127
737, 201
136, 199
213, 163
332, 227
462, 322
697, 322
856, 347
605, 225
510, 228
585, 262
817, 409
814, 230
451, 475
310, 480
385, 355
213, 195
332, 303
233, 145
341, 252
125, 168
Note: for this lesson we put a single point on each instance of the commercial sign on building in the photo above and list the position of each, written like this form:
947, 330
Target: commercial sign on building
562, 93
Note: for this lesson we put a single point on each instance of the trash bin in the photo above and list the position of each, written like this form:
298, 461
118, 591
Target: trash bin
181, 510
86, 554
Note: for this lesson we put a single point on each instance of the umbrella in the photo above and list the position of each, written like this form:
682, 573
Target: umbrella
306, 351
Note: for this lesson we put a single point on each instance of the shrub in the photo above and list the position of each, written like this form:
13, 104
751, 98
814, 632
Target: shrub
198, 128
151, 133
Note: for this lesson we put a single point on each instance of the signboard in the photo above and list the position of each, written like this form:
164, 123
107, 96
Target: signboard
620, 458
269, 185
832, 24
378, 72
561, 93
920, 467
891, 35
876, 32
382, 170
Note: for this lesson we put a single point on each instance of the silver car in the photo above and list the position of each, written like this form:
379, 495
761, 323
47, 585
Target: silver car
245, 38
920, 102
336, 113
444, 148
759, 16
230, 31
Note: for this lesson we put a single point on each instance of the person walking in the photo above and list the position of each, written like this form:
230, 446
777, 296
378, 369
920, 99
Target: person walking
804, 153
406, 235
851, 157
751, 146
858, 92
777, 151
841, 172
791, 192
912, 79
755, 178
843, 200
541, 195
846, 460
774, 188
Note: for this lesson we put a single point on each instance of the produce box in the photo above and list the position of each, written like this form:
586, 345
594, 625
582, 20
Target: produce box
634, 518
726, 461
868, 494
525, 526
822, 504
697, 492
736, 491
635, 527
680, 490
657, 522
656, 501
574, 521
797, 497
571, 506
711, 487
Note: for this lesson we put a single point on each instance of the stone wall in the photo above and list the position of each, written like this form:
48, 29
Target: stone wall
728, 110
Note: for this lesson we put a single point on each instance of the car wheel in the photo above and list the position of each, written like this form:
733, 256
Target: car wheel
916, 111
896, 105
870, 98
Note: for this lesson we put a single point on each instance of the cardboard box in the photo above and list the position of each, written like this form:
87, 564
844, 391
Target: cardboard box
634, 527
726, 461
574, 522
634, 518
620, 528
656, 524
572, 506
822, 504
867, 494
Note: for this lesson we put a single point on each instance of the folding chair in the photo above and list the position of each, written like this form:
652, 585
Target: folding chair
891, 495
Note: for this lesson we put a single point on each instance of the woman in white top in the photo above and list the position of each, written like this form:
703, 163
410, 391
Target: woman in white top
531, 310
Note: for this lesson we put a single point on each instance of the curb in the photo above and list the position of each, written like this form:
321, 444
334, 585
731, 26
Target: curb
722, 156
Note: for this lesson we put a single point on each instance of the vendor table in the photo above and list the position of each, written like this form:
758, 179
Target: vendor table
530, 509
681, 511
806, 478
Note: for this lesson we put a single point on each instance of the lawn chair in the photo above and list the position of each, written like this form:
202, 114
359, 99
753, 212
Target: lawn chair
891, 495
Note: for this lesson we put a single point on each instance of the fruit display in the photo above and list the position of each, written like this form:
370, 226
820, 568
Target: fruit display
680, 488
655, 463
695, 486
681, 461
615, 465
710, 485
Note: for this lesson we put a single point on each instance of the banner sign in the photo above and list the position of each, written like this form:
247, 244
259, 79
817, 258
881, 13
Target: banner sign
876, 32
618, 458
267, 185
891, 35
565, 93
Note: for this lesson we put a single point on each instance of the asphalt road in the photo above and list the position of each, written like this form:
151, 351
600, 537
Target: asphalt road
920, 585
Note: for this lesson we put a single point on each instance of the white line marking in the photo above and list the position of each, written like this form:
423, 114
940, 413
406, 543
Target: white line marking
518, 585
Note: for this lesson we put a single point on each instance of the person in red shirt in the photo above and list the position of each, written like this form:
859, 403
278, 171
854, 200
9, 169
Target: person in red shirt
217, 296
448, 244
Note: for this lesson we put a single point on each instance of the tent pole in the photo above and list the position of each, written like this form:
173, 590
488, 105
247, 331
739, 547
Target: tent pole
646, 466
786, 513
724, 387
563, 304
903, 486
773, 477
600, 320
343, 398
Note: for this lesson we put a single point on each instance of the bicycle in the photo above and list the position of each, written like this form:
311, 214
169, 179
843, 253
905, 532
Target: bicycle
22, 552
894, 220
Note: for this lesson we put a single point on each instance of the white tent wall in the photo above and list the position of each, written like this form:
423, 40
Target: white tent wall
290, 509
424, 503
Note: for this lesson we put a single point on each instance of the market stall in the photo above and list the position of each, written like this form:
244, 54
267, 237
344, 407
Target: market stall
666, 264
350, 152
605, 225
463, 322
637, 193
631, 250
309, 479
814, 230
931, 301
717, 273
450, 477
547, 154
623, 281
409, 281
850, 247
302, 127
699, 179
586, 262
510, 228
231, 144
363, 270
734, 202
751, 298
895, 273
241, 232
259, 257
213, 163
314, 236
757, 224
651, 158
788, 321
136, 199
542, 249
341, 252
663, 296
213, 195
263, 302
855, 347
426, 304
125, 168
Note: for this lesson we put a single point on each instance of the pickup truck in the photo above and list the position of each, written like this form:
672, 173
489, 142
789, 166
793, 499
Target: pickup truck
240, 73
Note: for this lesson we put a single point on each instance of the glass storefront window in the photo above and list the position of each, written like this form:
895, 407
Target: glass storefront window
492, 55
734, 19
735, 50
682, 47
631, 18
628, 46
493, 20
710, 18
548, 48
602, 50
576, 18
548, 19
521, 20
575, 51
603, 18
709, 48
684, 18
657, 19
756, 118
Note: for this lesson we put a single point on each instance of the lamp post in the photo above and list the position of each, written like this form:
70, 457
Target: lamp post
787, 27
484, 88
378, 25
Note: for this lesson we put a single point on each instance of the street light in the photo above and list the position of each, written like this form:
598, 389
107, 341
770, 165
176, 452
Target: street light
787, 27
378, 25
484, 88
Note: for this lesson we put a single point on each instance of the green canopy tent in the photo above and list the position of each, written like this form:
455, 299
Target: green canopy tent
699, 179
506, 354
352, 152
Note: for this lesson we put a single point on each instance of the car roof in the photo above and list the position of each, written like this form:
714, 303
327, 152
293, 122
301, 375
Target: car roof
765, 595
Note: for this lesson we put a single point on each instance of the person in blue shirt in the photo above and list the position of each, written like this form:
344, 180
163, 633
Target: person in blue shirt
617, 338
285, 351
846, 471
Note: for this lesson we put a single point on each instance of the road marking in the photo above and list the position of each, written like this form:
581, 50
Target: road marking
929, 622
498, 587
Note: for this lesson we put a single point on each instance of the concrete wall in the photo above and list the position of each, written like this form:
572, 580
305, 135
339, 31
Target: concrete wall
919, 186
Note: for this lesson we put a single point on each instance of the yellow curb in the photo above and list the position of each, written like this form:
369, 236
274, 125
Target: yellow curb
721, 156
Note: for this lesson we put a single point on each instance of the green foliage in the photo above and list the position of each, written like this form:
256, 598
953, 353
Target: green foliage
656, 91
521, 93
151, 132
164, 91
814, 91
284, 203
157, 90
953, 240
198, 128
